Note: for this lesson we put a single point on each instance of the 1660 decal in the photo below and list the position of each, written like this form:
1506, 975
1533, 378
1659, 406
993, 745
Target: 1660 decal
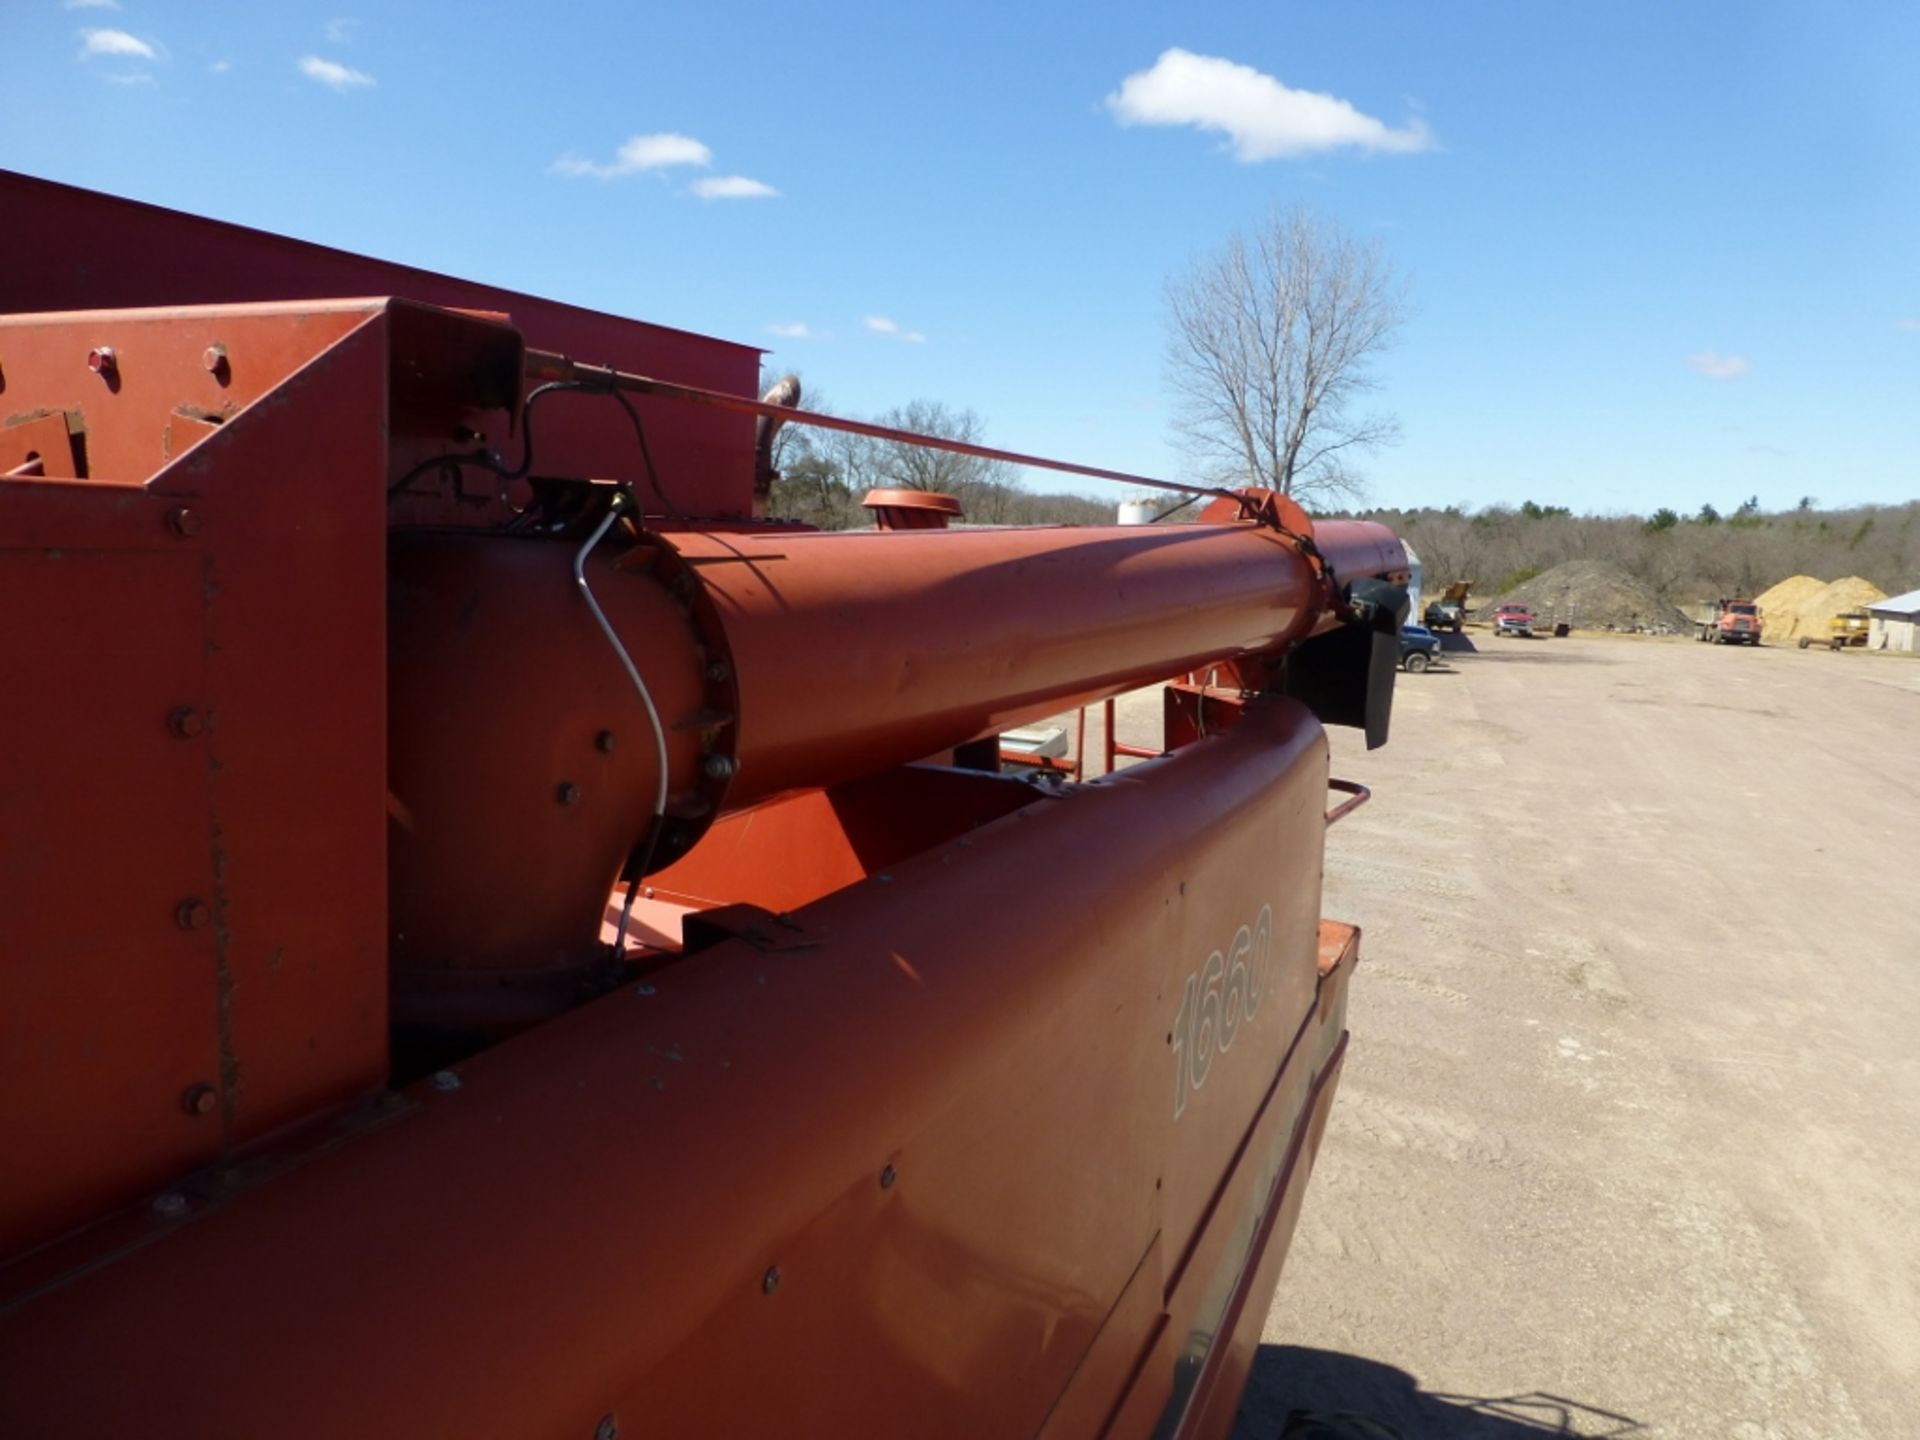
1216, 1000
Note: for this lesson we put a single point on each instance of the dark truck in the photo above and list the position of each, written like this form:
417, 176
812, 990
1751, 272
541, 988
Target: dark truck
1449, 612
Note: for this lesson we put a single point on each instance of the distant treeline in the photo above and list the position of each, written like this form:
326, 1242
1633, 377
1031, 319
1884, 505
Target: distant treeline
1685, 557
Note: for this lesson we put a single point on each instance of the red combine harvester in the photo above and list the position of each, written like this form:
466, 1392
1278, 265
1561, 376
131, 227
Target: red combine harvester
502, 938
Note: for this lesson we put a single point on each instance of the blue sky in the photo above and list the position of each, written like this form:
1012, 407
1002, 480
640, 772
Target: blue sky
1660, 254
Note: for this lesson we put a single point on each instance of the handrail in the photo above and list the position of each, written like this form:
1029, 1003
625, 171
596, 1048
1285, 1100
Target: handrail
1360, 793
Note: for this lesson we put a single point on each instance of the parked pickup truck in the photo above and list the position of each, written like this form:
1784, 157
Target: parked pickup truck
1419, 648
1450, 611
1513, 620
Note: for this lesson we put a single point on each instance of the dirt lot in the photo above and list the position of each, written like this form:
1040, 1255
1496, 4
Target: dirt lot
1630, 1135
1629, 1139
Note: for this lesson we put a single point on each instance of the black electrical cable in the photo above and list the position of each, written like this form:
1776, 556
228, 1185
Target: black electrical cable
646, 456
484, 460
1177, 508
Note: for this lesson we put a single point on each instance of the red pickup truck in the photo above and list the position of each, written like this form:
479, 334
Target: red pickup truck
1513, 620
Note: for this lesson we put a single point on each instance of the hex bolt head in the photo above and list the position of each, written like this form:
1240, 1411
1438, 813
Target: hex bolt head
170, 1206
193, 914
199, 1100
446, 1080
102, 361
718, 767
604, 742
186, 722
770, 1281
887, 1177
214, 358
607, 1429
183, 522
568, 793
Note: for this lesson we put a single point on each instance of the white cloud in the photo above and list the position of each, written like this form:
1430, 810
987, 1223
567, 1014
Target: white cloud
138, 78
89, 4
881, 325
1720, 367
220, 67
1264, 118
799, 330
333, 74
340, 32
642, 152
1908, 325
115, 42
732, 187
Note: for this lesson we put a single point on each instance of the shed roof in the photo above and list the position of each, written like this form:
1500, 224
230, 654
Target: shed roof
1907, 604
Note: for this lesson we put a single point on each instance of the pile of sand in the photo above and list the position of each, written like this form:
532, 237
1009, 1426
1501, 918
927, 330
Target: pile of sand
1780, 606
1802, 605
1593, 595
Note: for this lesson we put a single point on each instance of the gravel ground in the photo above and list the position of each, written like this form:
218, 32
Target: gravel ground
1628, 1142
1629, 1138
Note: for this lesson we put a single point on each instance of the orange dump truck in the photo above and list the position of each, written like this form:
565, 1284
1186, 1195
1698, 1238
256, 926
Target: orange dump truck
1730, 622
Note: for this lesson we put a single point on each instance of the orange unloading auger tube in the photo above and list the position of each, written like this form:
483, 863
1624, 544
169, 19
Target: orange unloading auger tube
392, 1043
521, 769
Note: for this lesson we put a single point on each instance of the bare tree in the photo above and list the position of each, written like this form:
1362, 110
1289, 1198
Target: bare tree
981, 486
1269, 353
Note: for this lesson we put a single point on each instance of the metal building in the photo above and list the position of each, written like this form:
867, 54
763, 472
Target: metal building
1895, 621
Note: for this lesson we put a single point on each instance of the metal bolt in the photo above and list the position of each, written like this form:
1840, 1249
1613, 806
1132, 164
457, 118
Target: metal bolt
604, 742
644, 990
770, 1281
199, 1100
183, 522
102, 361
718, 767
568, 793
170, 1206
214, 357
887, 1177
446, 1080
718, 671
607, 1429
192, 914
186, 722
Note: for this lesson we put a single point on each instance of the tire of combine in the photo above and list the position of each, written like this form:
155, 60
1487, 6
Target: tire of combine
1805, 641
